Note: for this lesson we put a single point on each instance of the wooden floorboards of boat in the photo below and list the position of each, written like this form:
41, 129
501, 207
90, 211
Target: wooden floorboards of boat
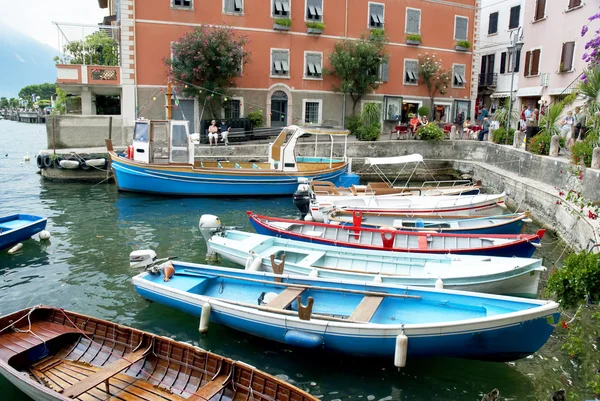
366, 309
59, 374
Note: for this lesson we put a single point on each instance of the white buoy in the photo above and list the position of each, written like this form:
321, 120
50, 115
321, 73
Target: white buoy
15, 248
308, 217
377, 279
439, 284
44, 235
256, 264
204, 318
26, 157
401, 350
314, 273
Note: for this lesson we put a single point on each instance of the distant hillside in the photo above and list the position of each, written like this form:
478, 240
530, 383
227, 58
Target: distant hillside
23, 61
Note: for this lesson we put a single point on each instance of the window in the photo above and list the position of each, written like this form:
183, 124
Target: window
566, 57
574, 4
314, 10
461, 28
503, 62
233, 6
532, 63
383, 72
232, 109
493, 24
411, 72
458, 73
413, 20
182, 3
515, 62
515, 16
540, 10
376, 15
313, 65
281, 8
280, 63
312, 110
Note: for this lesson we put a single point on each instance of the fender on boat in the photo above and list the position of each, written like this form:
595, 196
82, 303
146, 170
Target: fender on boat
69, 164
303, 339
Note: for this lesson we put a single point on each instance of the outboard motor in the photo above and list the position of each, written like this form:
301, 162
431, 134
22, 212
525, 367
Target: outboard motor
142, 258
302, 197
209, 225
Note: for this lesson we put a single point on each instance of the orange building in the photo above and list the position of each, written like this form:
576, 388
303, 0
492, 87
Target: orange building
285, 75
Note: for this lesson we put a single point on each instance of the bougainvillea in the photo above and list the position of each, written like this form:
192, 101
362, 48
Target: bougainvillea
592, 47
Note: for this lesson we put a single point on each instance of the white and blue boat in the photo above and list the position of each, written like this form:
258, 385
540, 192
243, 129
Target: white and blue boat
494, 275
181, 174
374, 320
15, 228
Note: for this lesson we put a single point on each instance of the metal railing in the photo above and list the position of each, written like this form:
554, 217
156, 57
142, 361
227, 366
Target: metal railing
488, 79
88, 44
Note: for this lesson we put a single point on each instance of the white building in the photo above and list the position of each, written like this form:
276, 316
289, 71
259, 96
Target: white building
500, 21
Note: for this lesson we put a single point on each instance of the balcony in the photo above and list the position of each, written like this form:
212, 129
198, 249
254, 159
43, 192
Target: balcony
77, 74
488, 79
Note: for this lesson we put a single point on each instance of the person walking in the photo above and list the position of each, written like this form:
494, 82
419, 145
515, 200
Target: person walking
580, 121
567, 126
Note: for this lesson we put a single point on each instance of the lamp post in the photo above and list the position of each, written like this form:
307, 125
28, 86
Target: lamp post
516, 44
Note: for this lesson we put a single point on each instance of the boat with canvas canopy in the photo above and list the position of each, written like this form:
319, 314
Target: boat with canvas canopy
53, 354
374, 320
162, 161
390, 239
505, 276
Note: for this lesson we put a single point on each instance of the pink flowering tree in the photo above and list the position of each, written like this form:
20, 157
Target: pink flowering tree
205, 62
435, 77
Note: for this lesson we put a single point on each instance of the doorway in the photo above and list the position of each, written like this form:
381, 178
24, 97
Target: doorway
279, 106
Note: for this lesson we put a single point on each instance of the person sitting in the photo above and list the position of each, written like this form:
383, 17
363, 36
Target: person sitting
414, 123
424, 120
225, 130
213, 133
485, 129
467, 132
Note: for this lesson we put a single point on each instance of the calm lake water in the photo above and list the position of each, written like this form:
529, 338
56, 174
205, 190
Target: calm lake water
84, 267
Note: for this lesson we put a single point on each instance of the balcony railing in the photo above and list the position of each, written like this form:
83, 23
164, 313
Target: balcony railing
489, 79
88, 74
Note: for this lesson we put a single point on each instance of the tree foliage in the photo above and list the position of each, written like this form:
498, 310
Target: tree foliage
208, 58
356, 63
44, 91
99, 48
577, 280
13, 103
4, 103
431, 74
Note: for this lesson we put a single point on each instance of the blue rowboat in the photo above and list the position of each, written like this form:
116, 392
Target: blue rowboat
502, 224
390, 239
180, 174
15, 228
374, 320
504, 276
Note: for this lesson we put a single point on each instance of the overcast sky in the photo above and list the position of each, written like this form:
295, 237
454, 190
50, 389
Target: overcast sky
34, 17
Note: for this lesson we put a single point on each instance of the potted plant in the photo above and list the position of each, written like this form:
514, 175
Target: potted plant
463, 45
414, 39
315, 27
377, 33
282, 24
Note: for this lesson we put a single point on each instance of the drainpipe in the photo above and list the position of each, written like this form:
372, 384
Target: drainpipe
344, 98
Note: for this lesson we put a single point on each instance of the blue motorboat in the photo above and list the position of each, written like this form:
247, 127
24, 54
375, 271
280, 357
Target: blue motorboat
366, 319
15, 228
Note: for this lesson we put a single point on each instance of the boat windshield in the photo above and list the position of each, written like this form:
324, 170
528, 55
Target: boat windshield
140, 133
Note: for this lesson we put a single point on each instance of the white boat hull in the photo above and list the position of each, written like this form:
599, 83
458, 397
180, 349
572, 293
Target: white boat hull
31, 388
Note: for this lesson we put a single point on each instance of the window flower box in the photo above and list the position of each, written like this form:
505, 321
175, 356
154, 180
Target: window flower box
413, 40
463, 46
282, 24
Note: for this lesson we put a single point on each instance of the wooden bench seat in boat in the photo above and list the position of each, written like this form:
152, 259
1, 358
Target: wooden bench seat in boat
210, 389
366, 309
104, 374
285, 297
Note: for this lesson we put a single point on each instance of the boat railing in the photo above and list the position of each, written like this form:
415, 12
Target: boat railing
446, 183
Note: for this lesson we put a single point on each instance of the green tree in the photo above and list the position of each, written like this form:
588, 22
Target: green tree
96, 49
356, 63
13, 103
44, 91
435, 77
206, 60
60, 105
3, 103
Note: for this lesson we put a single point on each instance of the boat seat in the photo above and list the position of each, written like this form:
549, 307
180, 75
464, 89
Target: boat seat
366, 309
210, 389
313, 233
285, 297
104, 374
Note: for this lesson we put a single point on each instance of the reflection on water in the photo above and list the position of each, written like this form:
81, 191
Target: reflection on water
84, 267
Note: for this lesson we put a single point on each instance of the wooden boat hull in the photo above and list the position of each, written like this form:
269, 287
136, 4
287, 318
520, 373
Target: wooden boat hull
522, 246
61, 355
505, 329
501, 224
503, 276
185, 180
19, 227
458, 205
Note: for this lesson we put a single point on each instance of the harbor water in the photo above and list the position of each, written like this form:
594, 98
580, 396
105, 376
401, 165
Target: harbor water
84, 267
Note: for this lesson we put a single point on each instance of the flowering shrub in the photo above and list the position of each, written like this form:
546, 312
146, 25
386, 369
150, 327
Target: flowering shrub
577, 279
592, 47
435, 77
430, 132
540, 144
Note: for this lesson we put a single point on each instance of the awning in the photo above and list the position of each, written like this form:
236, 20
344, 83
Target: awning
414, 158
531, 91
560, 91
499, 95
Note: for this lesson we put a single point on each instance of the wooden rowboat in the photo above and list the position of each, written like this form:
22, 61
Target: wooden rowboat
53, 354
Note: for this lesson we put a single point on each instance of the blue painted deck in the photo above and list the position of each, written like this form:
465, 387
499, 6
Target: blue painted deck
19, 227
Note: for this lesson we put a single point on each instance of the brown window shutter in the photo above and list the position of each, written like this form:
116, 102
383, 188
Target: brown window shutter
567, 56
535, 62
574, 3
540, 9
527, 63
